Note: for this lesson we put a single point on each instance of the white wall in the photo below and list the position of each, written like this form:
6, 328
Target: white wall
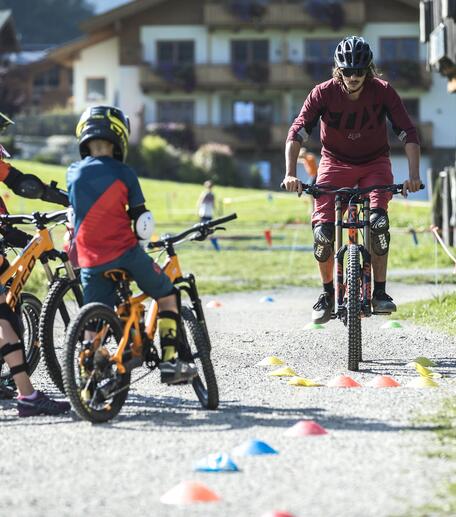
130, 98
400, 171
98, 61
150, 35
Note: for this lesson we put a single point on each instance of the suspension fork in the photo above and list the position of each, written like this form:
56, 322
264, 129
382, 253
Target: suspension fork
191, 289
367, 259
339, 256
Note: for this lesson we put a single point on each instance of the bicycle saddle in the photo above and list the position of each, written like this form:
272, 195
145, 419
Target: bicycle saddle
117, 275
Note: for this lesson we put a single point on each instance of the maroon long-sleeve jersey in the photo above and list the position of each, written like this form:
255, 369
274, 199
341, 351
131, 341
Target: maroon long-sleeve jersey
353, 131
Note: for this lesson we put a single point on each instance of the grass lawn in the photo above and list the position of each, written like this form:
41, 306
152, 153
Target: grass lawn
247, 264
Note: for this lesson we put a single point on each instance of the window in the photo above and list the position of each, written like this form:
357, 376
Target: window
399, 49
175, 111
48, 79
96, 89
252, 112
249, 51
175, 52
319, 57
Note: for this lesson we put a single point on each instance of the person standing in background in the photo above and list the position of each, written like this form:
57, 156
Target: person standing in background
206, 203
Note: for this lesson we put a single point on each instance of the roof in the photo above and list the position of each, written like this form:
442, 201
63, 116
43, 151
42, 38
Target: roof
108, 18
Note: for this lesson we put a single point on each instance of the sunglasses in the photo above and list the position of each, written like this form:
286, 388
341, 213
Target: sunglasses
348, 72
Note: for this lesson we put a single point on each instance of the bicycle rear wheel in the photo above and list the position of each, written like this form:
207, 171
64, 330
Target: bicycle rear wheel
97, 391
59, 307
354, 308
205, 384
29, 308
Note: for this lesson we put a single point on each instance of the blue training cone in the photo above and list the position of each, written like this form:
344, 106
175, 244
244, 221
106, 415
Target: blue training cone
217, 462
254, 448
267, 299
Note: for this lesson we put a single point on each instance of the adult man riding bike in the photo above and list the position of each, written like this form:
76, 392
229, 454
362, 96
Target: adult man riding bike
352, 108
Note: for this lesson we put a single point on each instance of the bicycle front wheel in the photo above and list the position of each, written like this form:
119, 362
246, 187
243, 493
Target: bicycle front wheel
29, 308
205, 383
60, 306
354, 308
97, 391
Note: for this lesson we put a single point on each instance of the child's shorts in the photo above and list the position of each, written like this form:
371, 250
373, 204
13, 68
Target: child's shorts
146, 273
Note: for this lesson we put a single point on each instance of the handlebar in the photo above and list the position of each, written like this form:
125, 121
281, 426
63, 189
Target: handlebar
39, 219
318, 190
203, 229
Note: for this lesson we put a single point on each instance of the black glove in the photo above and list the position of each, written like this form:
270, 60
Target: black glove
15, 237
55, 195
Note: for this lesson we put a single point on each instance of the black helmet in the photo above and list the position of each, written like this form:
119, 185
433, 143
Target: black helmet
104, 123
353, 52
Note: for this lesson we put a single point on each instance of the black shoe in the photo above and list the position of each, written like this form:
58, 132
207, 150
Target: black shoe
177, 372
382, 303
6, 391
41, 405
323, 308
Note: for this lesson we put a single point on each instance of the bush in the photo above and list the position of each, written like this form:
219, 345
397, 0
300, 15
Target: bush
218, 164
189, 172
161, 160
51, 157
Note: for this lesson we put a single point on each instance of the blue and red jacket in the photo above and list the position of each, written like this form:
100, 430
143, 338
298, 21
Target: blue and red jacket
101, 190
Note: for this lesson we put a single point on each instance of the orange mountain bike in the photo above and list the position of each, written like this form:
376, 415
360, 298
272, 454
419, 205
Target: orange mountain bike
39, 249
352, 288
103, 346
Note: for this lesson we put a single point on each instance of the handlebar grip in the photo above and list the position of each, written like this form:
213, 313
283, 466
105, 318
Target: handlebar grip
221, 220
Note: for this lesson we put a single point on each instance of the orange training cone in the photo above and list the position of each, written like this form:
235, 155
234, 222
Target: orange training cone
343, 381
189, 492
277, 513
384, 381
305, 428
213, 304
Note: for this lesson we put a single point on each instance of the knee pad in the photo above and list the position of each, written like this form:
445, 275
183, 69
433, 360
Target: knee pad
323, 241
379, 230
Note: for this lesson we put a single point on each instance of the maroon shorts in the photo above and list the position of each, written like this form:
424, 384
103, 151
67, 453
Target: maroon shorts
340, 174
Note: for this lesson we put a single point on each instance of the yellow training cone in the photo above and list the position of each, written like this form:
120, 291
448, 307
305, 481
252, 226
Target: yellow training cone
424, 361
301, 381
422, 382
284, 372
272, 360
425, 372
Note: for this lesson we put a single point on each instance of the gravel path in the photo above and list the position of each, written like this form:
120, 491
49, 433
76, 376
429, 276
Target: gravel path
372, 462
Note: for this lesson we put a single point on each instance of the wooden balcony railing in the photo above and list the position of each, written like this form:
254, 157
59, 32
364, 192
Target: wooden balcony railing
282, 14
211, 77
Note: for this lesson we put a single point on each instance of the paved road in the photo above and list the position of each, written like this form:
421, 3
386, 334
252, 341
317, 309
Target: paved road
372, 462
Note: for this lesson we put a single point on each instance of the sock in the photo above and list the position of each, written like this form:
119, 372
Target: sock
167, 329
329, 287
379, 286
28, 397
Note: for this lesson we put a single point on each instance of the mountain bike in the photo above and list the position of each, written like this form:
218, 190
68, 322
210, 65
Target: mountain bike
103, 346
352, 289
40, 248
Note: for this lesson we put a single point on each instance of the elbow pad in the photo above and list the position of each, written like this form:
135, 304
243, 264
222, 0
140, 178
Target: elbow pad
25, 185
144, 226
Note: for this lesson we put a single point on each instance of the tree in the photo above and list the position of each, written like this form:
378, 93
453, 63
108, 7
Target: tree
48, 22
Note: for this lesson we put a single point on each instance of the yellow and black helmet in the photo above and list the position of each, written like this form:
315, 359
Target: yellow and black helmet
104, 123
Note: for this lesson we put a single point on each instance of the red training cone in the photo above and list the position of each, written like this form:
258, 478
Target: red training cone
305, 428
188, 492
277, 513
384, 381
343, 381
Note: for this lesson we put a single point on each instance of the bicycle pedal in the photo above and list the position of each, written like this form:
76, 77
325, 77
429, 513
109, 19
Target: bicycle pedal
381, 313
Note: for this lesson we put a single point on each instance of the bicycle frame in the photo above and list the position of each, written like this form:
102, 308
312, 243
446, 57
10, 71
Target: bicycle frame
353, 225
23, 264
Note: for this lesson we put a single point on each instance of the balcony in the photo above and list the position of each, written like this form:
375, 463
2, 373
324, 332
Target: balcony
211, 77
235, 14
243, 137
406, 75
